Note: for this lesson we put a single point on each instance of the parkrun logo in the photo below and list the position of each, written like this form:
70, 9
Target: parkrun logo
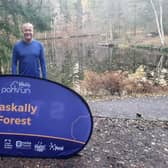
17, 87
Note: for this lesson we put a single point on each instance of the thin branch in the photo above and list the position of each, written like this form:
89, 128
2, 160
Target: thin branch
161, 19
157, 22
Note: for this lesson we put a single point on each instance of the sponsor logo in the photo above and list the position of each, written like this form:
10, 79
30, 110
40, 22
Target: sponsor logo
23, 145
17, 87
39, 147
55, 147
8, 144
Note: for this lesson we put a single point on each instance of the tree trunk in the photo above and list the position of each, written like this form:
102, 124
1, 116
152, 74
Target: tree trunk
159, 20
159, 23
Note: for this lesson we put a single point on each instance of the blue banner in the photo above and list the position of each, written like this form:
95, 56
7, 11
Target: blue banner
41, 118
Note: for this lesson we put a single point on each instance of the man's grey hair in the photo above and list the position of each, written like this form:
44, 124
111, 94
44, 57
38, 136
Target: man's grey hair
27, 25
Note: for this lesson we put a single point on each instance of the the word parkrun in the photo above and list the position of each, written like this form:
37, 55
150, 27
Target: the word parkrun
13, 108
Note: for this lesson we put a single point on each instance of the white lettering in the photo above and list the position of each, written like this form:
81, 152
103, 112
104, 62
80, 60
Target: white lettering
17, 87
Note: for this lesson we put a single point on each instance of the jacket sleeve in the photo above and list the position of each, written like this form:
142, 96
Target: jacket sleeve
14, 61
43, 62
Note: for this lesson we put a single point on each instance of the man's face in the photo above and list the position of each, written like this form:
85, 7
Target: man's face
28, 33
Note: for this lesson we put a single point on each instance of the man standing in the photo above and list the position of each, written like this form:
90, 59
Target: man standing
28, 56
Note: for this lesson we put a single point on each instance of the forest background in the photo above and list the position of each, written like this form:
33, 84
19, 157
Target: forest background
126, 24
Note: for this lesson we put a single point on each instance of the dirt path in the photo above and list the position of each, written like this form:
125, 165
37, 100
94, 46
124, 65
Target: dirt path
151, 108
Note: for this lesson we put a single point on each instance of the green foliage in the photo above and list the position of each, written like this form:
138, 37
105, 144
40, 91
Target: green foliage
92, 4
164, 49
67, 70
147, 47
54, 73
151, 47
40, 16
65, 10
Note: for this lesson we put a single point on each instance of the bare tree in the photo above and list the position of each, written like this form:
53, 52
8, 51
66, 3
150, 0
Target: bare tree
159, 22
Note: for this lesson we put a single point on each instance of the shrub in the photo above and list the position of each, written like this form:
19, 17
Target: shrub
112, 81
91, 84
117, 82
